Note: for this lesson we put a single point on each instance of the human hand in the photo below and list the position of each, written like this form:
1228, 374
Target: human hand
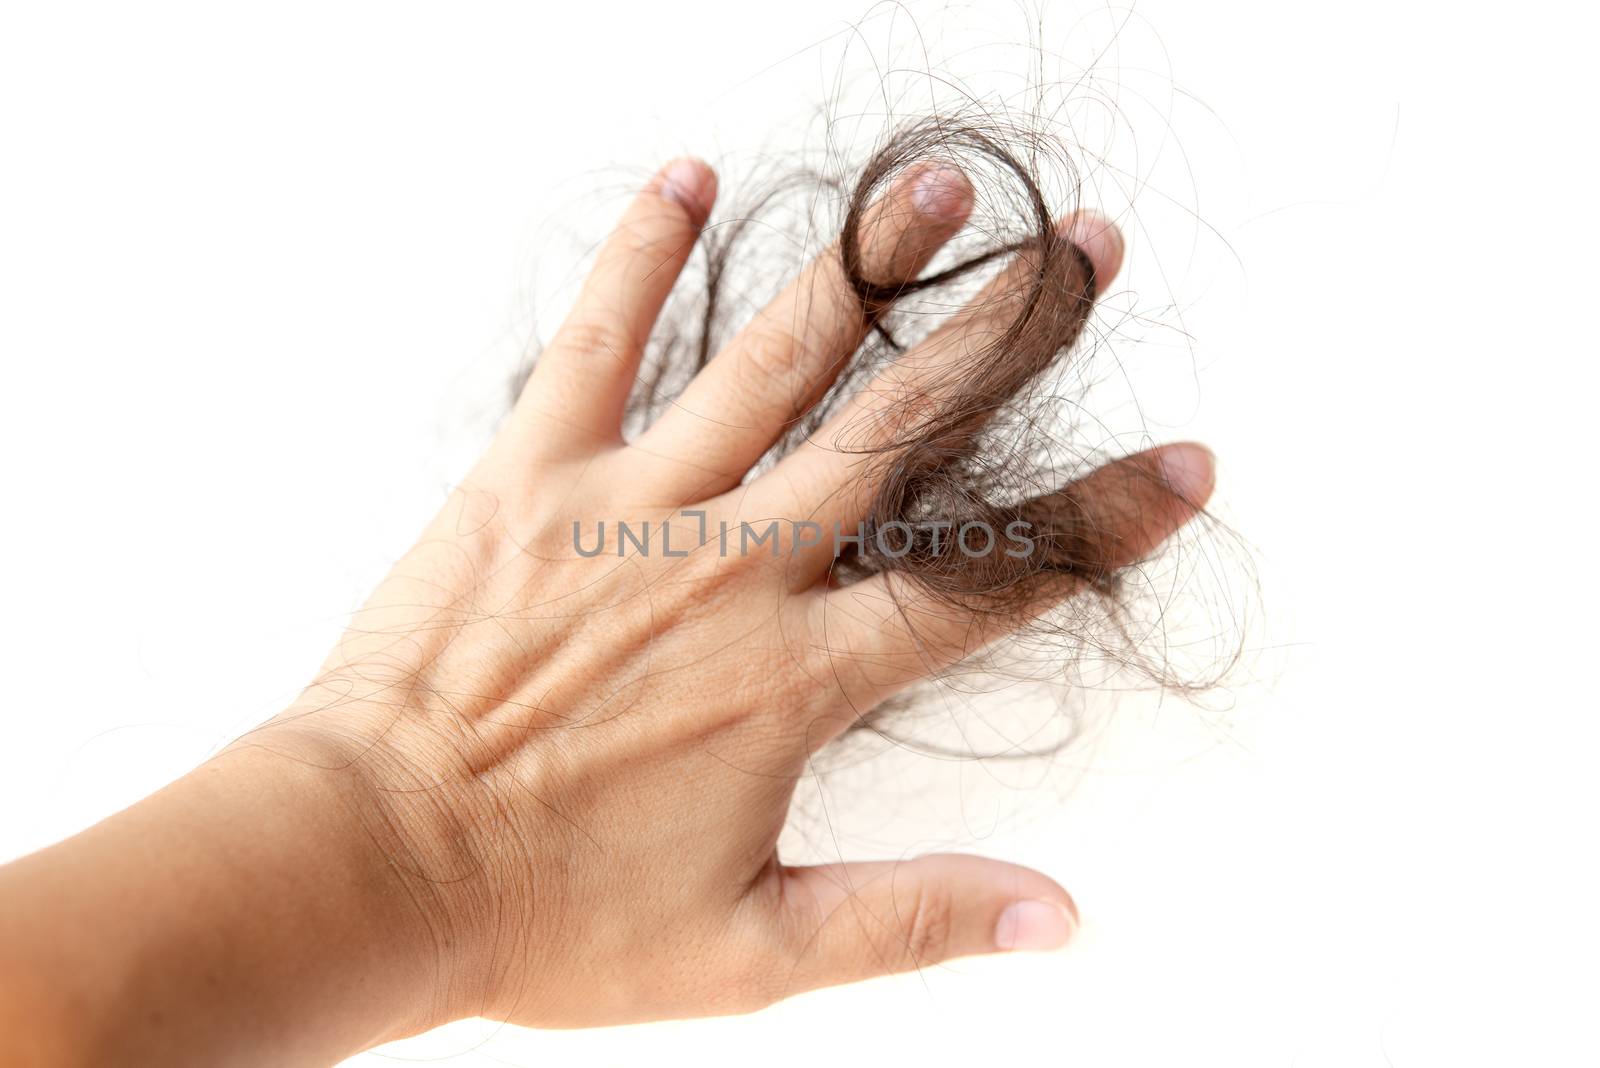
545, 784
581, 764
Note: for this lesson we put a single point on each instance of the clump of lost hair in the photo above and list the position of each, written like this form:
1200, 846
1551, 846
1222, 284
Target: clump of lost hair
997, 434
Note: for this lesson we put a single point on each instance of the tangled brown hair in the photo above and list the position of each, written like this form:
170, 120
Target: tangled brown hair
997, 434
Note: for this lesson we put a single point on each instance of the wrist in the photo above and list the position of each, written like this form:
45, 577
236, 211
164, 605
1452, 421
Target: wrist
386, 806
242, 913
392, 898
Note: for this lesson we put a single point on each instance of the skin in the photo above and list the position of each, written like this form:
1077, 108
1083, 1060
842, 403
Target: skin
547, 788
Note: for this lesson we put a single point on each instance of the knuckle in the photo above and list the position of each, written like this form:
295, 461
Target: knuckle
926, 927
769, 365
769, 353
595, 335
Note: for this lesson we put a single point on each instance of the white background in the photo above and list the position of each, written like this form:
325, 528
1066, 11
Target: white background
262, 273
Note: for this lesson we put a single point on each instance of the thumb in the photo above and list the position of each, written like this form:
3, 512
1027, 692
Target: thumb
854, 921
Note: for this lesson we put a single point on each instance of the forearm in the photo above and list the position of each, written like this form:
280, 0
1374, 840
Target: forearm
245, 914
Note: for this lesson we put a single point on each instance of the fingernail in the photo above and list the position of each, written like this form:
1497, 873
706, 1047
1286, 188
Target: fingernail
1034, 926
941, 191
1100, 240
690, 183
1190, 470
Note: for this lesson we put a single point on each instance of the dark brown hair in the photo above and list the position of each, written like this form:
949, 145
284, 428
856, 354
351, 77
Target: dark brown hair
999, 434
